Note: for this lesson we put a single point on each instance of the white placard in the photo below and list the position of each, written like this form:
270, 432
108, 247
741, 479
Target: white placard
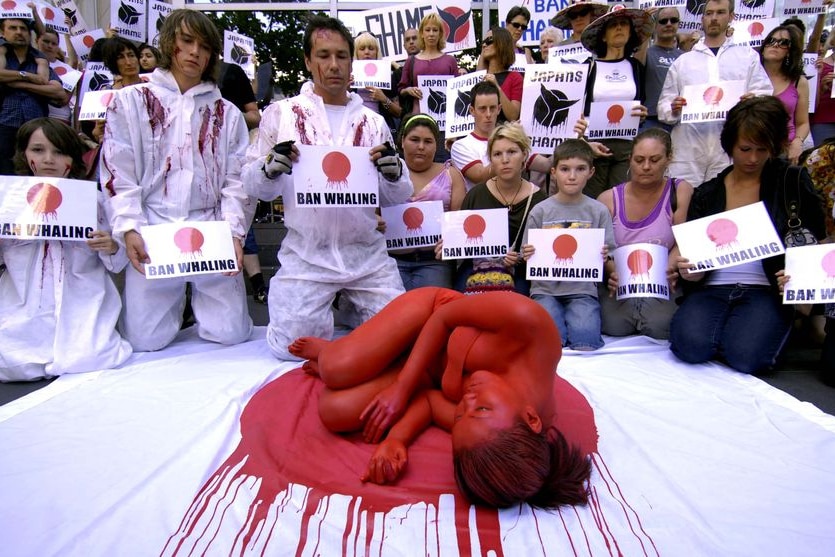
552, 102
68, 75
178, 249
83, 42
566, 254
52, 17
613, 120
95, 78
803, 7
459, 121
751, 10
474, 234
41, 208
753, 32
157, 12
710, 102
77, 23
642, 271
433, 101
335, 176
810, 70
811, 271
371, 73
129, 19
239, 49
574, 53
646, 4
94, 104
389, 24
729, 238
15, 9
413, 225
520, 62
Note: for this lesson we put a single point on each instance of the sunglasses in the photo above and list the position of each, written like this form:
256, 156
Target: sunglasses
487, 42
579, 13
668, 20
779, 43
518, 25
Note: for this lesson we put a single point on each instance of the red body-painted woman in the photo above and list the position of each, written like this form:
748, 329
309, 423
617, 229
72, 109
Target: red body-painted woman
481, 367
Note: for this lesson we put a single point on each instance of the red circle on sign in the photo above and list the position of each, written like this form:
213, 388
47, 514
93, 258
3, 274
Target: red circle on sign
828, 263
459, 34
88, 41
370, 70
722, 231
44, 199
615, 114
639, 262
564, 246
188, 239
413, 218
336, 166
474, 226
756, 29
713, 95
9, 5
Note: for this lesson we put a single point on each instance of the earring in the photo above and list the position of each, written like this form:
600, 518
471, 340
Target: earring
786, 61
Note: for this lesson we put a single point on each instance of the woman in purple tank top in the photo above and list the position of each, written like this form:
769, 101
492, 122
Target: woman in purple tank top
643, 210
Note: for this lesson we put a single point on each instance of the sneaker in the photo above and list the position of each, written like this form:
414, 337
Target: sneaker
260, 296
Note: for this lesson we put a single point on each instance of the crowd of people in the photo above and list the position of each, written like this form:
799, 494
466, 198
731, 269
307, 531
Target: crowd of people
176, 146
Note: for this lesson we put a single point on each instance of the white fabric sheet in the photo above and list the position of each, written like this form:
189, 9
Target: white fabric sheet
692, 460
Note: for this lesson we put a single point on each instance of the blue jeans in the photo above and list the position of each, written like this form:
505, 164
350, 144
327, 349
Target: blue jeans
577, 317
746, 326
425, 273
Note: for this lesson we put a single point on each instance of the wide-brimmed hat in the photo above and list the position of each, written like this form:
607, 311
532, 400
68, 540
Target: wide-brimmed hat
641, 22
562, 21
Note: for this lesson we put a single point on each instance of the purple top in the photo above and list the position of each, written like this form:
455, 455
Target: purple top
652, 229
442, 65
789, 98
438, 188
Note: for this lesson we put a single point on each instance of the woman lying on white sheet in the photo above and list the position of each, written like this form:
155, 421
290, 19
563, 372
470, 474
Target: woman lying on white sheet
482, 367
58, 305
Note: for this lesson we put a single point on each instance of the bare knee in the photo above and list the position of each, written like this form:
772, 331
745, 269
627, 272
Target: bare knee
336, 414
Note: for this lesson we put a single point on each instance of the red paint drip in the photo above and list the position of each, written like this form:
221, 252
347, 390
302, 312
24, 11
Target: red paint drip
301, 124
165, 175
156, 112
205, 114
360, 132
217, 123
284, 446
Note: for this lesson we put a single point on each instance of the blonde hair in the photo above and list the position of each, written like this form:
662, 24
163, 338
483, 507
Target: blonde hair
434, 20
513, 132
366, 39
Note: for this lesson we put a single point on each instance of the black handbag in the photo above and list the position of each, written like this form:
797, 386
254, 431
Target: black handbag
797, 234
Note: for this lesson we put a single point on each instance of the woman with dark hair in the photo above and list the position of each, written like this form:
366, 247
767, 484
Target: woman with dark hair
736, 313
122, 59
432, 181
60, 306
781, 55
148, 58
498, 54
482, 367
644, 210
615, 75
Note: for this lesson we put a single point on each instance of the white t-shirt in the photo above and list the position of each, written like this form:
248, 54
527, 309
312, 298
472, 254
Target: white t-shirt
466, 152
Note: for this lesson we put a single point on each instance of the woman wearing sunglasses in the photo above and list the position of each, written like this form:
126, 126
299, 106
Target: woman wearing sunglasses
497, 51
781, 55
516, 24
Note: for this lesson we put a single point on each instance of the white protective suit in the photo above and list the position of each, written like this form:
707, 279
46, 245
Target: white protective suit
697, 154
166, 157
59, 308
326, 250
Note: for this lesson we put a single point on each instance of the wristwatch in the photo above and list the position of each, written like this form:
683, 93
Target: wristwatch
22, 74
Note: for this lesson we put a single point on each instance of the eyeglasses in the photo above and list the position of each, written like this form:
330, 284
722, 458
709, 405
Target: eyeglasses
487, 42
574, 14
518, 25
668, 20
779, 43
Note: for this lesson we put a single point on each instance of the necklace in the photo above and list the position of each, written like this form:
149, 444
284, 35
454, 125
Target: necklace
507, 203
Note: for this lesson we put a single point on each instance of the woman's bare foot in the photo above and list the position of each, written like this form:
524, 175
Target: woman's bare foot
307, 347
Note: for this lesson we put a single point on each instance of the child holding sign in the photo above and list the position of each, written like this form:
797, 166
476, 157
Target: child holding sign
60, 306
573, 305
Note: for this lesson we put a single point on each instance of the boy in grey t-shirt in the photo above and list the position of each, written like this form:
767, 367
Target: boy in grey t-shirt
573, 305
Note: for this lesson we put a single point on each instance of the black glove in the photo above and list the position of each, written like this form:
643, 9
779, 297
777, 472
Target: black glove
389, 164
278, 160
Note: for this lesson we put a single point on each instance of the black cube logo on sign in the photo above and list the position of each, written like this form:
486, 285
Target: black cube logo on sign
456, 22
128, 14
551, 108
240, 55
71, 17
462, 104
436, 101
98, 82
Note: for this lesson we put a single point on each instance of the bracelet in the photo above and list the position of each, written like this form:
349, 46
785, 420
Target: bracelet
387, 104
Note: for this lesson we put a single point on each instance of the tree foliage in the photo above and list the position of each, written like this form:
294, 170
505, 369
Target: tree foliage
278, 38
